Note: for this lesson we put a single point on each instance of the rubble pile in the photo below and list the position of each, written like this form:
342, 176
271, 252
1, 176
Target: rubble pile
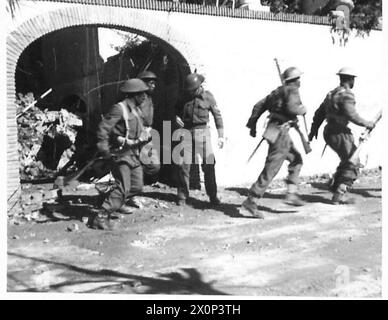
46, 139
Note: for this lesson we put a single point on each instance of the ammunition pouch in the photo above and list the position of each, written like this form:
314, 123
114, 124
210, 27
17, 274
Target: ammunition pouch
272, 132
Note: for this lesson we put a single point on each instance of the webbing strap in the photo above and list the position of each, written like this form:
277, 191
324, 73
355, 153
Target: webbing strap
126, 118
124, 109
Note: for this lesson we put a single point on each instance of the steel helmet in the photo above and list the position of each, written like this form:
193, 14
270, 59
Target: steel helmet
193, 81
347, 71
133, 85
291, 73
147, 75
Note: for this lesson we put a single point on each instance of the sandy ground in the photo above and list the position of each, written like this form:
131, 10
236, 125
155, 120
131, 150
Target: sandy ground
315, 250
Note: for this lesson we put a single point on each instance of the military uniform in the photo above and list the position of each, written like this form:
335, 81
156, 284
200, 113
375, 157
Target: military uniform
284, 104
147, 110
150, 161
338, 109
195, 116
126, 166
149, 155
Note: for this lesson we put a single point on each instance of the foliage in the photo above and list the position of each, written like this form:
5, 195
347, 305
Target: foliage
130, 41
364, 17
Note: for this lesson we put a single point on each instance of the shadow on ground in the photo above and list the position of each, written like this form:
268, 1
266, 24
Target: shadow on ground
228, 209
308, 198
364, 192
187, 281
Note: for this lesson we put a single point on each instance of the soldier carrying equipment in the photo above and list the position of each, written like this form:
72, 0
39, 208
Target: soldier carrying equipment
122, 129
284, 105
338, 109
292, 73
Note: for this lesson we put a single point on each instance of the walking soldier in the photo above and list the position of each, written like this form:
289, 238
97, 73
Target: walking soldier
284, 105
338, 109
119, 137
194, 117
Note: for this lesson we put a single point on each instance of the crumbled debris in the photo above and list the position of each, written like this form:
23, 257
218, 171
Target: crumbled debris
15, 237
46, 139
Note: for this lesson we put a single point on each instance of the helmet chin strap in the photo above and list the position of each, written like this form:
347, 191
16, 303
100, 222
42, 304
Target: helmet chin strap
199, 90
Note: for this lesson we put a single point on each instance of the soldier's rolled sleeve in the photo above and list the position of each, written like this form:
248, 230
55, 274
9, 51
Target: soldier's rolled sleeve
258, 109
349, 110
294, 104
110, 119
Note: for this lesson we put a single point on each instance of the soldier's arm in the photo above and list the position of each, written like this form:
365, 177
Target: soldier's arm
294, 105
258, 109
319, 117
217, 115
350, 112
104, 128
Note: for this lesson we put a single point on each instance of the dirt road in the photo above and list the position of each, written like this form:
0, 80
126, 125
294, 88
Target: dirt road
315, 250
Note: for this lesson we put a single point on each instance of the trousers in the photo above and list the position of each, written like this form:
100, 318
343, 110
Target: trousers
341, 141
199, 144
128, 182
282, 149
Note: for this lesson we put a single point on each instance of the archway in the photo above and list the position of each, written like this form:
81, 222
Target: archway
71, 16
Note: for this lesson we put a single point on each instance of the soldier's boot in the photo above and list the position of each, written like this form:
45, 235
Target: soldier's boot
181, 202
292, 198
249, 206
339, 196
214, 201
100, 221
133, 202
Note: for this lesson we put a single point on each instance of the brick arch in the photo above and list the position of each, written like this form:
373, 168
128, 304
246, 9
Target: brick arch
138, 21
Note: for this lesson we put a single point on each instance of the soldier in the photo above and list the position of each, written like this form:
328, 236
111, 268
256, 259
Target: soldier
194, 117
119, 137
147, 106
152, 165
338, 109
284, 105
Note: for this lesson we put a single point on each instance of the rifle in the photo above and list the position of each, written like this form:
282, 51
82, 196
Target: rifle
354, 158
306, 144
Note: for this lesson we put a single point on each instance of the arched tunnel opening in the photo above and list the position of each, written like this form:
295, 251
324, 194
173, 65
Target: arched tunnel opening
85, 69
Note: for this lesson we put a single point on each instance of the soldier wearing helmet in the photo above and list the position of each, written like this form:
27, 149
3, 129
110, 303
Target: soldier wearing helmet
338, 109
147, 107
194, 116
119, 137
151, 161
284, 105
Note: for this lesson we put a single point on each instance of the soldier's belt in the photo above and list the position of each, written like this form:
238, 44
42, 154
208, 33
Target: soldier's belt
196, 126
336, 118
279, 117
